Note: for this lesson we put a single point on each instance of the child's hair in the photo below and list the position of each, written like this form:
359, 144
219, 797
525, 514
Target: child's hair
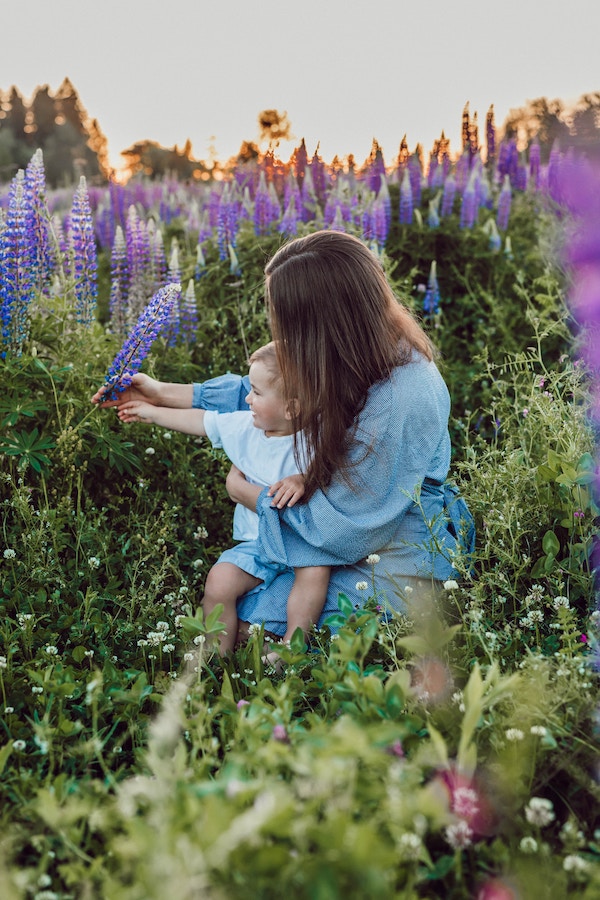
267, 355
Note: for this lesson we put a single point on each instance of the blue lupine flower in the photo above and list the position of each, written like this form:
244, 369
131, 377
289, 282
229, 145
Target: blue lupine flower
228, 221
406, 200
534, 163
16, 269
84, 256
130, 357
504, 204
448, 196
381, 222
139, 287
431, 300
37, 221
416, 177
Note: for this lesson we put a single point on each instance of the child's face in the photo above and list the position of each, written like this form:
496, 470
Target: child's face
269, 410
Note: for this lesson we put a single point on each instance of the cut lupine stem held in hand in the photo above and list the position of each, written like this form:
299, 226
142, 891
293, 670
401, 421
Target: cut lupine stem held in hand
130, 357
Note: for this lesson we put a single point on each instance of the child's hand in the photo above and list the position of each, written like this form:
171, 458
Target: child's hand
136, 411
287, 491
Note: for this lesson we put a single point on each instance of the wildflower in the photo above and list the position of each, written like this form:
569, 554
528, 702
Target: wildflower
450, 585
372, 559
560, 601
465, 802
241, 703
254, 628
84, 260
459, 835
19, 745
514, 734
504, 205
51, 650
9, 553
539, 730
8, 710
576, 864
137, 346
497, 889
395, 749
528, 845
410, 845
88, 653
94, 562
150, 451
539, 811
280, 734
3, 662
525, 412
361, 585
188, 657
579, 514
197, 564
431, 300
406, 200
37, 689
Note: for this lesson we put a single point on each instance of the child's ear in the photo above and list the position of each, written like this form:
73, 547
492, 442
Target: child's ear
292, 409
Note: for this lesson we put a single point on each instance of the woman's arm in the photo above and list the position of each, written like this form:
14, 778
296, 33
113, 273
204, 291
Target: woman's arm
145, 388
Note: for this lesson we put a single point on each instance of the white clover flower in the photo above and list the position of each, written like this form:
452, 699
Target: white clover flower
361, 585
197, 563
528, 845
200, 533
539, 811
451, 585
167, 435
188, 657
8, 710
576, 864
514, 734
410, 845
9, 553
373, 559
199, 639
3, 662
539, 730
37, 689
150, 451
459, 835
254, 628
88, 653
168, 648
162, 626
51, 650
142, 642
465, 802
560, 601
19, 745
94, 562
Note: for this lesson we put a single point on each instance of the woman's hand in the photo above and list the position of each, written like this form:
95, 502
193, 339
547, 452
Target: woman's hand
240, 490
142, 387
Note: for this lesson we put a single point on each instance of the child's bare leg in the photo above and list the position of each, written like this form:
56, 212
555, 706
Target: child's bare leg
307, 598
226, 583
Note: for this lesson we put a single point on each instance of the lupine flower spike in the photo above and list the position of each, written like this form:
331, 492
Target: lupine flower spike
151, 322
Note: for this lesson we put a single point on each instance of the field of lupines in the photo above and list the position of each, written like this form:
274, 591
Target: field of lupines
450, 752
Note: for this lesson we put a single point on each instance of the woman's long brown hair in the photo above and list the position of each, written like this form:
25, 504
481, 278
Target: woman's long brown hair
339, 329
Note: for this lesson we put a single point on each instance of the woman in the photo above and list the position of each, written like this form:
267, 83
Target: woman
373, 409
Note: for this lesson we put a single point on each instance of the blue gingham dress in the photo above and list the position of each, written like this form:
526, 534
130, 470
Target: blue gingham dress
394, 508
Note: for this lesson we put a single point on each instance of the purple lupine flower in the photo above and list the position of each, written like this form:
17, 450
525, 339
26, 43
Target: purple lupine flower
448, 196
16, 267
504, 204
376, 174
84, 260
310, 203
200, 269
130, 357
490, 137
189, 315
317, 169
416, 177
139, 287
462, 170
405, 215
37, 221
300, 158
535, 164
158, 259
228, 221
288, 225
381, 223
469, 205
262, 207
554, 166
172, 332
431, 300
366, 224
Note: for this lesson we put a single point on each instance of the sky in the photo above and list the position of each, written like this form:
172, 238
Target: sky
345, 72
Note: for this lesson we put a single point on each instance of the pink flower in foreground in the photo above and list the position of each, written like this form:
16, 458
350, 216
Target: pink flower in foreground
496, 889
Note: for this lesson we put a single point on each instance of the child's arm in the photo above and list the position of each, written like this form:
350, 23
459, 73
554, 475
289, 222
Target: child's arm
189, 421
287, 491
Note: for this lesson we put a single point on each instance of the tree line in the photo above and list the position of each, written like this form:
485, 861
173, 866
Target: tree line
73, 143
